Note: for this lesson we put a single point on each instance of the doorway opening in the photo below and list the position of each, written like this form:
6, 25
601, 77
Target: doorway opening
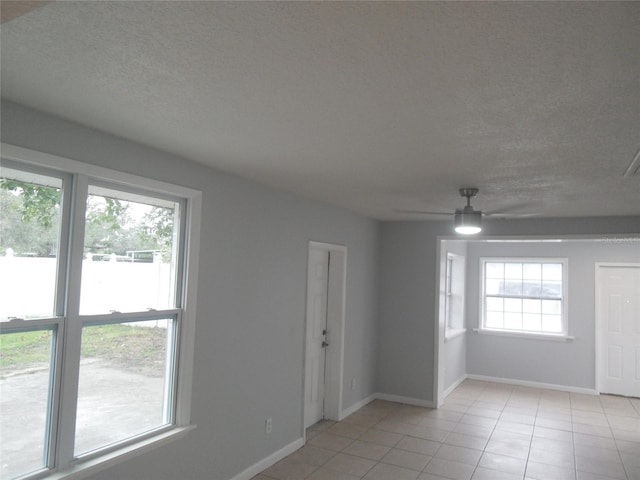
324, 332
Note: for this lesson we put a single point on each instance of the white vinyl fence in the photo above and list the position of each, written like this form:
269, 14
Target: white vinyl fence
27, 286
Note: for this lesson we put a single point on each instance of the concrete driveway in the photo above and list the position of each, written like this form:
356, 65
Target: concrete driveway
114, 404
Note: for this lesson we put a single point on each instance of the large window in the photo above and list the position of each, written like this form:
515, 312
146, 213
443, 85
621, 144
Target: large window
524, 295
95, 319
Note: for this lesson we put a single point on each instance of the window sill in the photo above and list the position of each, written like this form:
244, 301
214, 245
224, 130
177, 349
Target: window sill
90, 467
452, 333
532, 336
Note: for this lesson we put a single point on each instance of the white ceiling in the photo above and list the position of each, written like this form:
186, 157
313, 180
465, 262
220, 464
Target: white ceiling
375, 107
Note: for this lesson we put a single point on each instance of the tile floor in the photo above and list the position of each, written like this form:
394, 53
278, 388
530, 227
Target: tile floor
485, 431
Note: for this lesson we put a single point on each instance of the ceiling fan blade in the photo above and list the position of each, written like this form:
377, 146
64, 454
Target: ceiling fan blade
422, 212
510, 215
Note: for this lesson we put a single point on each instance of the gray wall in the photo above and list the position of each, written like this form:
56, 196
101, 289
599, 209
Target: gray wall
408, 291
251, 303
559, 363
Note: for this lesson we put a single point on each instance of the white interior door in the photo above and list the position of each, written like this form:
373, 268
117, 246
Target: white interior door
619, 330
317, 290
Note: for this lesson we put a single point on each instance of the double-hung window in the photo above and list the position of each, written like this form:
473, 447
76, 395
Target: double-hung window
526, 296
96, 326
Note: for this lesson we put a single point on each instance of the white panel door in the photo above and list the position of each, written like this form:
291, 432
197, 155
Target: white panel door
619, 330
317, 282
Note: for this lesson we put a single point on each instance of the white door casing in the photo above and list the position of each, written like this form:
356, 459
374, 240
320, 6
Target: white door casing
317, 285
334, 318
618, 329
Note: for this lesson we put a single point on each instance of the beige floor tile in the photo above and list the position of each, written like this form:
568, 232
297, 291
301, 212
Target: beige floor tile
381, 437
468, 441
459, 454
429, 476
558, 458
543, 471
487, 474
503, 463
601, 467
372, 451
327, 474
449, 469
406, 459
290, 470
312, 455
348, 430
330, 442
350, 464
487, 431
419, 445
390, 472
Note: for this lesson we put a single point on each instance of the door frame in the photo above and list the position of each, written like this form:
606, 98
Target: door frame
336, 303
599, 319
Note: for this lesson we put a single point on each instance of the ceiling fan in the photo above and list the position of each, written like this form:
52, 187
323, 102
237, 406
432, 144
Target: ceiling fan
467, 220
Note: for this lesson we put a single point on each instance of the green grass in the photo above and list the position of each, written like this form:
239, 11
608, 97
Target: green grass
25, 348
136, 348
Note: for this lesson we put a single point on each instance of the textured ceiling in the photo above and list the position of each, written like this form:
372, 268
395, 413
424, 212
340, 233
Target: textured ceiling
375, 107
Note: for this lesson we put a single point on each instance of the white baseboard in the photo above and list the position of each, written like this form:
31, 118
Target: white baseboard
418, 402
526, 383
356, 406
455, 384
265, 463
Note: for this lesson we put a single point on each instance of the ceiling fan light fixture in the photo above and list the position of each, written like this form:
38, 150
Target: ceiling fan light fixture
468, 222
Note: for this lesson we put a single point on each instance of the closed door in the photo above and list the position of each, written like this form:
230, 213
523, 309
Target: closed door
317, 283
619, 330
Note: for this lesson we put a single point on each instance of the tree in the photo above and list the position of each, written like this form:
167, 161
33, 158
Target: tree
30, 222
29, 218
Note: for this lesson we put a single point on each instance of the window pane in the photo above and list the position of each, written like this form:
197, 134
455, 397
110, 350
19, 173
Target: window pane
552, 271
124, 382
493, 287
513, 271
494, 270
552, 289
25, 376
512, 287
494, 320
553, 307
512, 305
531, 322
495, 304
29, 239
532, 271
513, 321
552, 323
130, 253
531, 288
531, 306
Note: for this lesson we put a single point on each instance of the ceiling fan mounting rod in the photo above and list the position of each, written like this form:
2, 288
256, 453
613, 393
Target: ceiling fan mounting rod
468, 193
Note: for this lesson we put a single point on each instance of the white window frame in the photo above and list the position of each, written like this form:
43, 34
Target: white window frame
454, 329
62, 462
561, 336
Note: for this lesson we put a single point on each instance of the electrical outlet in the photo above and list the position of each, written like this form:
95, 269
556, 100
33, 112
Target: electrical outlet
267, 426
353, 384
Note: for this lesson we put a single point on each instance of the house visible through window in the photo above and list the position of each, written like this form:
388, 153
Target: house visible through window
524, 295
92, 308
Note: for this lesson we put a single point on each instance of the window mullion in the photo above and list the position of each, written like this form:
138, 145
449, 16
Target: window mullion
71, 340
